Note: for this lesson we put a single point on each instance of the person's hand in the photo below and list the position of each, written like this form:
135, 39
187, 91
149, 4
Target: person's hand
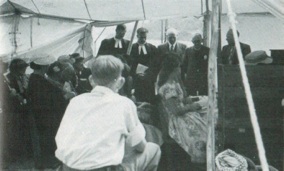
69, 95
13, 92
195, 106
67, 87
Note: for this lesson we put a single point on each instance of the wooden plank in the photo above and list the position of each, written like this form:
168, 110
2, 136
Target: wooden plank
257, 92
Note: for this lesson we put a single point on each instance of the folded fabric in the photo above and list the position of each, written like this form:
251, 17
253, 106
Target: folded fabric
229, 160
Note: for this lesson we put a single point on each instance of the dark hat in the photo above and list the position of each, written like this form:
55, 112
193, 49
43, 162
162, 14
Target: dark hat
196, 37
258, 57
79, 59
75, 55
142, 30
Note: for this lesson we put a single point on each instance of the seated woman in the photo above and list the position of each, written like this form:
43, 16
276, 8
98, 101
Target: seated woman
182, 119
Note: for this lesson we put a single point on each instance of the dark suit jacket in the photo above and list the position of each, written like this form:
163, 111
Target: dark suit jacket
147, 60
107, 47
196, 61
179, 49
165, 48
195, 66
226, 52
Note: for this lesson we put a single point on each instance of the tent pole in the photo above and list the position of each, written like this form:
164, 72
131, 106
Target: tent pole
162, 31
212, 87
132, 38
206, 26
166, 28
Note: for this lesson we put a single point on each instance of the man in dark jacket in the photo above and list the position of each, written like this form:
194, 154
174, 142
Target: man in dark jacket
229, 53
195, 67
142, 56
116, 45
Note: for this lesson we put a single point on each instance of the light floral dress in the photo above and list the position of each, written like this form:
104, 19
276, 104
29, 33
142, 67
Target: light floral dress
189, 128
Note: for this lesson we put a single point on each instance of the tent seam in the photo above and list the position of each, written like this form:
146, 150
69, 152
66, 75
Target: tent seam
36, 6
142, 1
87, 9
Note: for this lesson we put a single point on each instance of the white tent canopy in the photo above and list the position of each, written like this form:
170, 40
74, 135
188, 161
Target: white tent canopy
59, 26
108, 10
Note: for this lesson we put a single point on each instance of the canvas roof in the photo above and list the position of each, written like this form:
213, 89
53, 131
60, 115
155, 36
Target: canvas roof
130, 10
34, 26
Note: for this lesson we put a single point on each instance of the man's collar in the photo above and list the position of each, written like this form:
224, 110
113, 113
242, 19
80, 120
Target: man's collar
142, 44
103, 90
173, 44
116, 39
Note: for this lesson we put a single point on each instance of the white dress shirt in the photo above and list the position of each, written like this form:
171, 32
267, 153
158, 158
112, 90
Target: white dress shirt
172, 46
96, 128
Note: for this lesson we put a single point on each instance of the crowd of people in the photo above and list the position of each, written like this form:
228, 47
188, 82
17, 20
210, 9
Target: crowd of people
93, 118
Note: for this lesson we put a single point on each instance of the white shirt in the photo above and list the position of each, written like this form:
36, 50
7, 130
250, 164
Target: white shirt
170, 46
95, 128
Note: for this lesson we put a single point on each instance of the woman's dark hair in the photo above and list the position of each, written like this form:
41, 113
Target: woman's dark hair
170, 62
17, 64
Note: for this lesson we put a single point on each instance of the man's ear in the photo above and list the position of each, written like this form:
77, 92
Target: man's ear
92, 82
120, 83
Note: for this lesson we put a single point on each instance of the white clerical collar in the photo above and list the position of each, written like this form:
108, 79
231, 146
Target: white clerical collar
143, 48
118, 43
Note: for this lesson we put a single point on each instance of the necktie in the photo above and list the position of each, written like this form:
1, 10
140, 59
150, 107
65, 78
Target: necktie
172, 47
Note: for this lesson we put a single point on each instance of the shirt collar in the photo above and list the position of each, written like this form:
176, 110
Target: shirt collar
117, 39
173, 44
102, 89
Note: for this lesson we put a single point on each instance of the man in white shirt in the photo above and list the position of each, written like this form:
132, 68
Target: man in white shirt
172, 45
100, 131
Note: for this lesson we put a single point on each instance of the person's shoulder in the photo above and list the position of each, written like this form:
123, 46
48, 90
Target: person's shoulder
205, 47
182, 45
225, 47
151, 45
162, 45
134, 47
107, 40
122, 100
188, 49
244, 44
126, 41
135, 44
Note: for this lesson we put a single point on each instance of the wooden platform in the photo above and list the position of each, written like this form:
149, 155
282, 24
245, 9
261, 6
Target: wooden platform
267, 86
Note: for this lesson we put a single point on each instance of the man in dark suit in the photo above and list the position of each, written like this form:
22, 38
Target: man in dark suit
116, 45
229, 53
142, 56
195, 67
170, 46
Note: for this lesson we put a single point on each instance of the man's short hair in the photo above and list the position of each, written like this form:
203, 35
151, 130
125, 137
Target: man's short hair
230, 31
120, 27
142, 30
105, 69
